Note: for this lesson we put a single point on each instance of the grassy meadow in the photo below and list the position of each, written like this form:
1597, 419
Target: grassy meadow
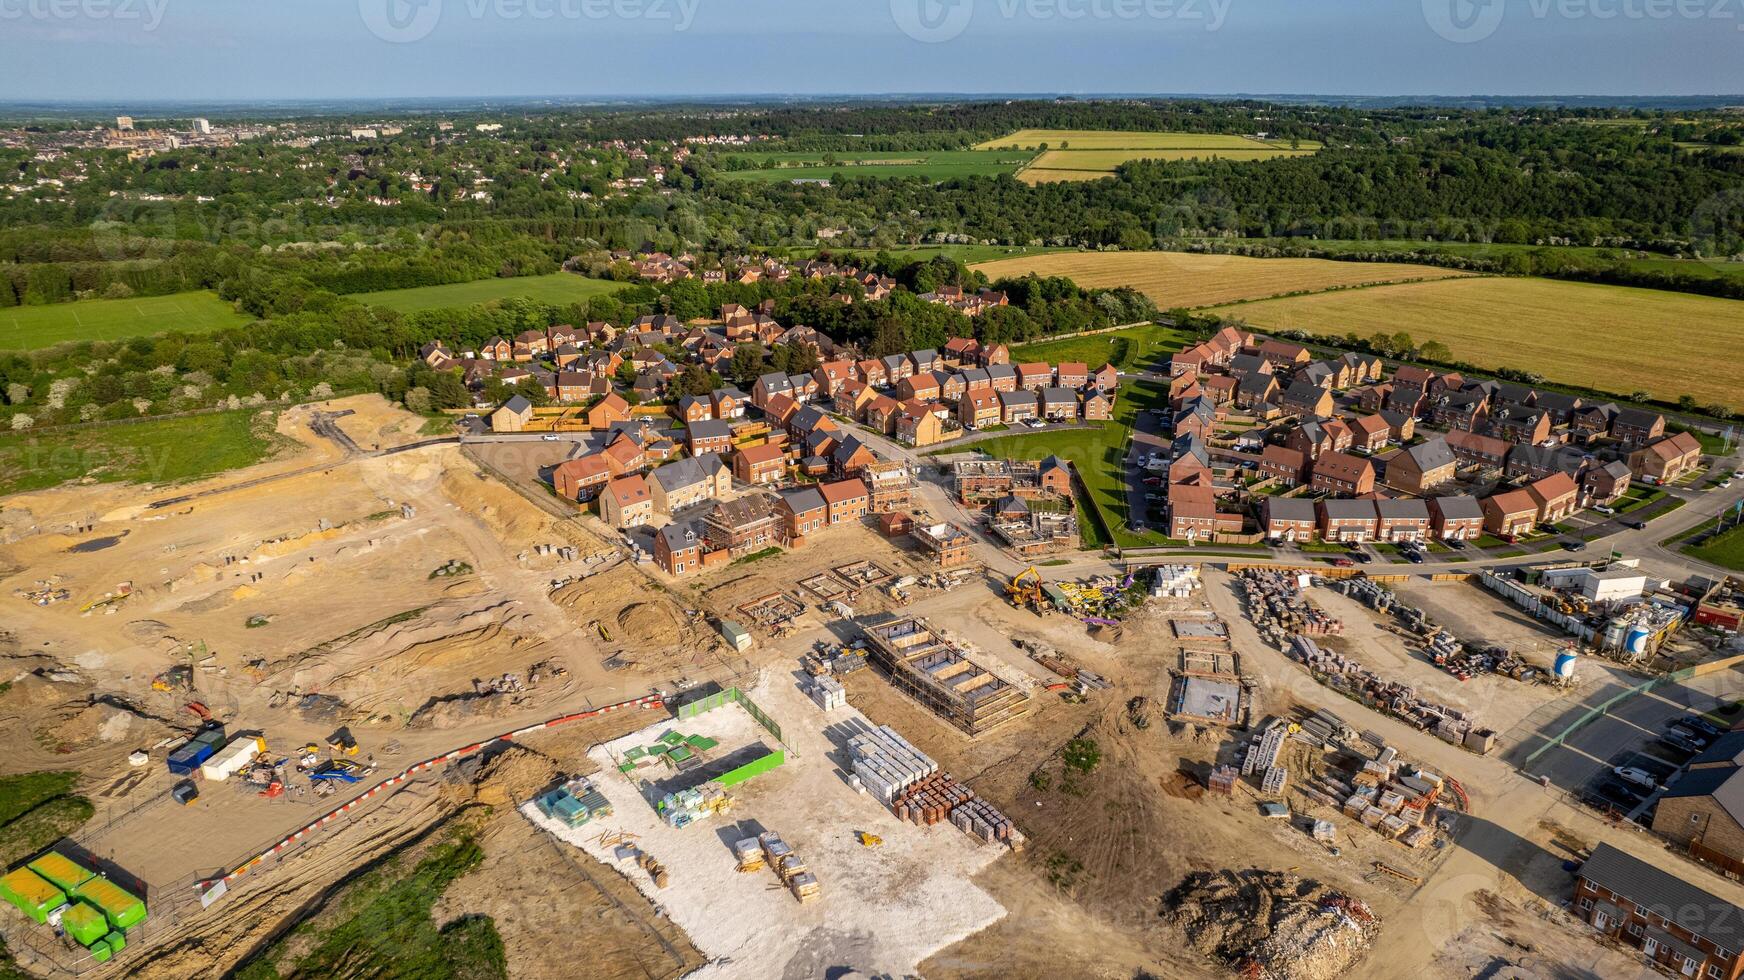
1131, 348
1175, 279
161, 450
558, 289
930, 164
1613, 338
31, 327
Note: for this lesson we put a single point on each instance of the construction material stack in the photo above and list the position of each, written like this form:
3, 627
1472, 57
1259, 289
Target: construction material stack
826, 692
750, 855
788, 866
886, 763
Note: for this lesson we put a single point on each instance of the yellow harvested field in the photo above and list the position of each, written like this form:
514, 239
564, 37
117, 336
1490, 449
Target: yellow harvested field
1087, 139
1173, 279
1612, 338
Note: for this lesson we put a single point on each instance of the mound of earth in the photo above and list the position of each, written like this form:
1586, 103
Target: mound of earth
1271, 924
631, 618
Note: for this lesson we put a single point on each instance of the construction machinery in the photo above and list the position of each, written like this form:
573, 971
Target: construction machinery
869, 840
200, 711
1025, 591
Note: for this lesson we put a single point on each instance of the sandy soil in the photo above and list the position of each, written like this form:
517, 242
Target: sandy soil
374, 422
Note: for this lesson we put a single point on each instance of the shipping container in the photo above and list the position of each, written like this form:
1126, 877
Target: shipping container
233, 758
186, 759
85, 923
61, 871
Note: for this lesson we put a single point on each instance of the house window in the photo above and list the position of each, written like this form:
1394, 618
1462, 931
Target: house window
1586, 903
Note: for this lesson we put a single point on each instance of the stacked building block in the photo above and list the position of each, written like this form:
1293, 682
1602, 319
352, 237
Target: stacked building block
886, 763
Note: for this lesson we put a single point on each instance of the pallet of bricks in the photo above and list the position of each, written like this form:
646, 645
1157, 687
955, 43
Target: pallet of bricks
914, 788
788, 866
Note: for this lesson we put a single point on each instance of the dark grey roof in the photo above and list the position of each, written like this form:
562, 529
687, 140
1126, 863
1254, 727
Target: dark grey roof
1404, 508
924, 356
1318, 372
846, 449
687, 472
710, 428
1346, 510
1727, 750
680, 535
776, 381
1022, 397
1635, 417
1304, 391
804, 499
1190, 445
1248, 362
1290, 509
1059, 396
1256, 384
997, 371
1664, 894
1462, 507
518, 405
1431, 454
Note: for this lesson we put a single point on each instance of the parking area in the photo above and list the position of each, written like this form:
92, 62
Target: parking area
1633, 731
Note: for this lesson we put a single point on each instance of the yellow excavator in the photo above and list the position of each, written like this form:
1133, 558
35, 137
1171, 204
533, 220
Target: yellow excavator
1025, 590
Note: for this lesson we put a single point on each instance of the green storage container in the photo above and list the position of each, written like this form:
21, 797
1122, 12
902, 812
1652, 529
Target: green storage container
117, 942
85, 923
31, 894
100, 951
61, 871
121, 907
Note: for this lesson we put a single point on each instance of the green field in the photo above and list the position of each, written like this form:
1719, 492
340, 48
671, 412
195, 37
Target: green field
931, 164
37, 809
557, 289
1725, 549
1128, 348
30, 327
158, 451
1108, 139
1080, 154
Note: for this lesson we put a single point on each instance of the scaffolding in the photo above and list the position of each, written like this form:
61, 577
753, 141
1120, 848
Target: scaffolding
929, 669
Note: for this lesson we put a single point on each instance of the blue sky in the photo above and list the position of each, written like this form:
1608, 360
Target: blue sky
240, 49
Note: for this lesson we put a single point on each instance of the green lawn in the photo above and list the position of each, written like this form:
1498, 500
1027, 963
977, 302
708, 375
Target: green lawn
168, 450
382, 927
1725, 549
1133, 347
931, 164
558, 289
37, 809
31, 327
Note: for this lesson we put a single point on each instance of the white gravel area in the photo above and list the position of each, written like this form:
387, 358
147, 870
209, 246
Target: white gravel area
883, 910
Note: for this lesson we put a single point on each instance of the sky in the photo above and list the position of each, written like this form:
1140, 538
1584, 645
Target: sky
330, 49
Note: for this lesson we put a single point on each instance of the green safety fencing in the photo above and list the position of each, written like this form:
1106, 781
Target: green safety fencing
1592, 714
729, 696
752, 769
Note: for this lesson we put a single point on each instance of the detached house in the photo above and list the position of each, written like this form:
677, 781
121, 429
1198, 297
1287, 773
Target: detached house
581, 480
1557, 496
760, 464
709, 436
1511, 513
978, 408
1662, 461
1421, 468
1634, 427
608, 410
1017, 406
627, 502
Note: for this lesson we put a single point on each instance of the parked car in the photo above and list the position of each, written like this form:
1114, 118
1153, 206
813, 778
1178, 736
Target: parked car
1153, 481
548, 437
1636, 777
1344, 563
1574, 546
1700, 724
1412, 555
1362, 556
1725, 484
1635, 525
1605, 510
1619, 793
1680, 742
1455, 543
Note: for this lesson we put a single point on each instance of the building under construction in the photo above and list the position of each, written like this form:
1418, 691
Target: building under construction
935, 673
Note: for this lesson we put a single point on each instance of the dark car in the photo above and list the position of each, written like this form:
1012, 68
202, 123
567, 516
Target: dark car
1699, 724
1688, 728
1619, 794
1412, 555
1362, 556
1574, 546
1455, 543
1679, 742
1635, 525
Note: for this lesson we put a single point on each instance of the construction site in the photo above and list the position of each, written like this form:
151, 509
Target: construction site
281, 688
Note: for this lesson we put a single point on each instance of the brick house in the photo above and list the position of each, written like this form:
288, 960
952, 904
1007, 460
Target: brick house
978, 408
1347, 521
680, 548
1519, 423
1370, 433
1283, 354
760, 464
1192, 512
1002, 376
709, 436
924, 387
1288, 518
847, 500
1097, 407
1402, 425
1471, 448
1304, 397
1286, 464
729, 403
1703, 809
1664, 460
513, 416
1421, 468
831, 375
768, 386
1059, 404
611, 408
1634, 427
581, 479
688, 482
1054, 476
627, 502
1557, 496
1510, 513
1034, 376
850, 457
896, 368
872, 372
623, 456
881, 413
1072, 374
1244, 366
1219, 388
1404, 519
1017, 406
1601, 485
1255, 390
1457, 518
1343, 473
691, 408
743, 525
803, 512
1681, 928
918, 424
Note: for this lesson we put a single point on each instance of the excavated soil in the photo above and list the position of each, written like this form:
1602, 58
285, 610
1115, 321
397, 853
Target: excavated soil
1271, 924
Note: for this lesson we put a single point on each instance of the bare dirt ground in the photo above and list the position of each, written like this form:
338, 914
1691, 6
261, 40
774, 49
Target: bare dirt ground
374, 422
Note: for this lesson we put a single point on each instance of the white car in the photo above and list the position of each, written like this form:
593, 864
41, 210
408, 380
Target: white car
1725, 484
1738, 474
1639, 777
1605, 510
549, 437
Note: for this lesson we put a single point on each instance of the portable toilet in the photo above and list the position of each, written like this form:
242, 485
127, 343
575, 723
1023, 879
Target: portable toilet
31, 894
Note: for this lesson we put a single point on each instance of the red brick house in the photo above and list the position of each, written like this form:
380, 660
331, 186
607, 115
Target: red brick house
1034, 376
1556, 495
1404, 519
611, 408
1286, 464
1684, 930
1370, 433
1511, 513
581, 479
979, 408
760, 464
846, 500
1348, 521
1457, 518
1343, 473
1664, 460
